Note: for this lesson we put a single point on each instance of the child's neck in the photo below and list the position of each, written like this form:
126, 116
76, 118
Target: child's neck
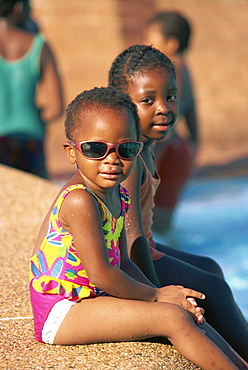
147, 156
106, 195
110, 197
148, 143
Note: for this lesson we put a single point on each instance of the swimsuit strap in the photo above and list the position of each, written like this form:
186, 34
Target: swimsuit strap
124, 198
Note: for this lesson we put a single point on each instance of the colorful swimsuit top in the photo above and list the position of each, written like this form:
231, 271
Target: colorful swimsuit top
56, 268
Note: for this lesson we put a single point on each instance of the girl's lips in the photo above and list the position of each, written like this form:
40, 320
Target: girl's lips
162, 123
111, 175
161, 127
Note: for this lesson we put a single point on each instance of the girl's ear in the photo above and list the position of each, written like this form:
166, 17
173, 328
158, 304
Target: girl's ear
70, 151
171, 46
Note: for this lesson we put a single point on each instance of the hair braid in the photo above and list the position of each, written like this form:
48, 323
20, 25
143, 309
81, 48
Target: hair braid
134, 60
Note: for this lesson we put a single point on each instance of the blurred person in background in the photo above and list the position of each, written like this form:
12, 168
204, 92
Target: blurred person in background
170, 33
26, 63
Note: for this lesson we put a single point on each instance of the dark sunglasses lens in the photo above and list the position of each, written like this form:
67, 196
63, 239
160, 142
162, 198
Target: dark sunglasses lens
129, 149
94, 149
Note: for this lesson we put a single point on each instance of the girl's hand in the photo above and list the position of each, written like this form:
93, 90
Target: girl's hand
184, 297
198, 317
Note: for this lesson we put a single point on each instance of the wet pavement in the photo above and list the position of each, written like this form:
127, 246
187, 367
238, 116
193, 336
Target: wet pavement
212, 220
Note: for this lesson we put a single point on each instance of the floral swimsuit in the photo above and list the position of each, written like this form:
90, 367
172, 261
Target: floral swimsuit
56, 272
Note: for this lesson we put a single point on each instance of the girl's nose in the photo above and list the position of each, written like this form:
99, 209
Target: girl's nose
163, 107
112, 156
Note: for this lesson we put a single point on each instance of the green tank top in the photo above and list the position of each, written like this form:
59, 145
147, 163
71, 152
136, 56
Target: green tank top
19, 114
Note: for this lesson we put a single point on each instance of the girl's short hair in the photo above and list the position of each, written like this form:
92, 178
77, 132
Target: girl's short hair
136, 59
173, 24
99, 97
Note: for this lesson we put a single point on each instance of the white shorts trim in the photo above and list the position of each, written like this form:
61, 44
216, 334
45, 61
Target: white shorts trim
54, 320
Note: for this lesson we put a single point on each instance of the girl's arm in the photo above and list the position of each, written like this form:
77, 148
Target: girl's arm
191, 122
80, 215
52, 105
171, 294
139, 251
138, 247
128, 266
190, 114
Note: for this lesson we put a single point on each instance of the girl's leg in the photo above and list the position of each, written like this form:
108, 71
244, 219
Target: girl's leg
222, 344
107, 319
203, 263
221, 310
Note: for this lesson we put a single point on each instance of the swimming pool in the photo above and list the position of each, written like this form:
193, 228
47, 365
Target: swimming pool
212, 220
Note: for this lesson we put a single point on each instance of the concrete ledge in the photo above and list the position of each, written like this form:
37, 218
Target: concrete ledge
24, 201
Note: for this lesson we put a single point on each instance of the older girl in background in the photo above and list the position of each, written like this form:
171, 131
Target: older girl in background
148, 76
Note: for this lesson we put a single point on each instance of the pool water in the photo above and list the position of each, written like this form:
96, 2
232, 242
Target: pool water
211, 219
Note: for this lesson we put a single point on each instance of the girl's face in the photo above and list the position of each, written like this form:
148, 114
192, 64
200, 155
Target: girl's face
155, 94
110, 126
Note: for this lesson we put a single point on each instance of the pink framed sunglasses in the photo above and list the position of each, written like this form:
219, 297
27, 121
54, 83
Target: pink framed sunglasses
93, 149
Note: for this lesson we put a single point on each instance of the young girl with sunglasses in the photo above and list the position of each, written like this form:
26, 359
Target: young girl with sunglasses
148, 76
83, 287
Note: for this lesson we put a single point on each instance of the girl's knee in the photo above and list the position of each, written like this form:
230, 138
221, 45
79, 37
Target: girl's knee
213, 267
208, 264
217, 290
177, 315
178, 323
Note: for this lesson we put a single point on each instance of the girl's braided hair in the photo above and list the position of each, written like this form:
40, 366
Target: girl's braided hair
134, 60
97, 98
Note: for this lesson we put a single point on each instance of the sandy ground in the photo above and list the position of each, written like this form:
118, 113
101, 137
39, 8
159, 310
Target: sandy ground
24, 200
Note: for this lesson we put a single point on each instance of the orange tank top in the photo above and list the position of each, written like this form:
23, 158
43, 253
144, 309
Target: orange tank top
147, 193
